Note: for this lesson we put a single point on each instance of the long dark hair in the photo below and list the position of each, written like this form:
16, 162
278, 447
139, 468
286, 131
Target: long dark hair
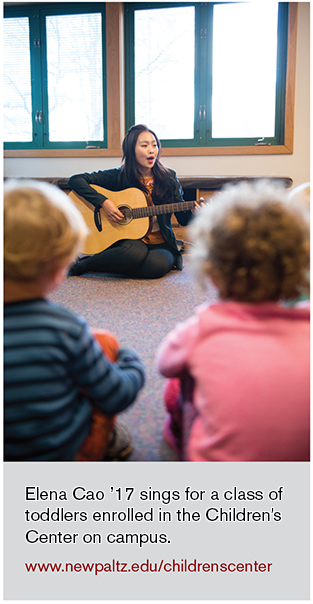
161, 189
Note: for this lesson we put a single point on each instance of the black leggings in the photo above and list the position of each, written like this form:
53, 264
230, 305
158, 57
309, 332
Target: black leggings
130, 257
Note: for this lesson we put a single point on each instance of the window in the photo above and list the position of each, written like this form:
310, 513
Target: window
35, 128
54, 81
164, 58
208, 74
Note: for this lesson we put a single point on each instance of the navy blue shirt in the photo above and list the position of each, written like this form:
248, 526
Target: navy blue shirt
54, 371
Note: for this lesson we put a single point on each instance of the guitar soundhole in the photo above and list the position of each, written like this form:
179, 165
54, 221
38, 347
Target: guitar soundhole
127, 211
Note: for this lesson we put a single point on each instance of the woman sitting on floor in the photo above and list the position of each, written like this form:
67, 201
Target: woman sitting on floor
157, 253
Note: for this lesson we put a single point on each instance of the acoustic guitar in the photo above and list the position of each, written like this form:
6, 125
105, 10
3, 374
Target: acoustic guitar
135, 224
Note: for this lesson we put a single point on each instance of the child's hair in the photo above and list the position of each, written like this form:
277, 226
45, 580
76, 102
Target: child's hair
252, 244
299, 198
43, 230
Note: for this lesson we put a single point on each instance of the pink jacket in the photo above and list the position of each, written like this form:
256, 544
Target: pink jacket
250, 363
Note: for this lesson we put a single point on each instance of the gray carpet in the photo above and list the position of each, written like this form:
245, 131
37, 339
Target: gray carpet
139, 313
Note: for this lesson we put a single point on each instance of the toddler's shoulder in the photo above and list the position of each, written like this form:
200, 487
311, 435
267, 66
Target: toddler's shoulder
65, 319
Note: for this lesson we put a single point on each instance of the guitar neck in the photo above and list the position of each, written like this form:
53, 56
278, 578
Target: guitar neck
167, 208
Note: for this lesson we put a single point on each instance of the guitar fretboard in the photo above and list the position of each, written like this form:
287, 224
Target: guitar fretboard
168, 208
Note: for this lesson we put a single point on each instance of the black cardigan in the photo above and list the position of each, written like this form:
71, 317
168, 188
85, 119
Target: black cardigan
115, 180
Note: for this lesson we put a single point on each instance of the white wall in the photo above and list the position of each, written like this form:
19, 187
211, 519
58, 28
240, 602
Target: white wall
295, 166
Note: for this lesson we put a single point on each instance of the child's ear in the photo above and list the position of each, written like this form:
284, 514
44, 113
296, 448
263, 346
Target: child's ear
214, 280
58, 276
213, 277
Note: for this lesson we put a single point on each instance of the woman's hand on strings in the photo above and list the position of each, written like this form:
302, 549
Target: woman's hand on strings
112, 211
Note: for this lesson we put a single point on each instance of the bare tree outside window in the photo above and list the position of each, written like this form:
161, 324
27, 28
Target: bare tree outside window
164, 70
17, 106
237, 66
74, 79
74, 60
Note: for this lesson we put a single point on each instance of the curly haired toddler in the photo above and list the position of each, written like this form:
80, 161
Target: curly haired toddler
247, 354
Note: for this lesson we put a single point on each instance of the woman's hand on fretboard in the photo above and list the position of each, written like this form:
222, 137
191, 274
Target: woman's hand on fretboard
198, 205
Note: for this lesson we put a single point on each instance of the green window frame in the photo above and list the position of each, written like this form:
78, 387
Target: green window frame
203, 77
36, 15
